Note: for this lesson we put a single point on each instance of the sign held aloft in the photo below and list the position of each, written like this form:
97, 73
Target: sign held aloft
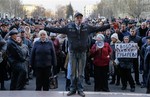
126, 50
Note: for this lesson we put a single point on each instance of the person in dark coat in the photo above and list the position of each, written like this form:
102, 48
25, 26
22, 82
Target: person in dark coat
42, 59
28, 43
136, 39
143, 53
4, 29
125, 65
3, 47
142, 30
101, 60
16, 60
147, 68
25, 51
77, 33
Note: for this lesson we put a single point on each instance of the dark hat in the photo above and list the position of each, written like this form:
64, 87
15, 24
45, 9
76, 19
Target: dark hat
130, 22
148, 37
5, 23
78, 14
21, 30
16, 19
13, 31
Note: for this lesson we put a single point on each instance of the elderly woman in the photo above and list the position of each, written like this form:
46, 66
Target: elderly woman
42, 59
101, 52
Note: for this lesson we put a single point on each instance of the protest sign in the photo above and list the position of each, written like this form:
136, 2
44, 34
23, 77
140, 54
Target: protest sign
126, 50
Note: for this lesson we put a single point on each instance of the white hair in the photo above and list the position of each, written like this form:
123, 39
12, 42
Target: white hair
43, 32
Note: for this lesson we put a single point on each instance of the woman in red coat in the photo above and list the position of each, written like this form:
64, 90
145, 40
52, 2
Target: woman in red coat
101, 52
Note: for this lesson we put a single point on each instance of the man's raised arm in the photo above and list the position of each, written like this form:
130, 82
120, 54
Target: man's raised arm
62, 30
97, 29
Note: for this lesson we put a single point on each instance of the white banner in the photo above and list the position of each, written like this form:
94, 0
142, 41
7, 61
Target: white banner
126, 50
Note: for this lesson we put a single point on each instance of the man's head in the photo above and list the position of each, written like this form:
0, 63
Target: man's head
5, 26
132, 31
143, 25
123, 27
13, 34
22, 33
78, 18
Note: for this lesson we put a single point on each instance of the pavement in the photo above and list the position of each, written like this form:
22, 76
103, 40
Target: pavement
115, 91
63, 94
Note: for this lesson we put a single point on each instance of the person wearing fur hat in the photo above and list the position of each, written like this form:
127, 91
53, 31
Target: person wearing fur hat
115, 76
16, 60
101, 52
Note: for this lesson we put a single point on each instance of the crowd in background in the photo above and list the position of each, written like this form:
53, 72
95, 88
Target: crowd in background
19, 41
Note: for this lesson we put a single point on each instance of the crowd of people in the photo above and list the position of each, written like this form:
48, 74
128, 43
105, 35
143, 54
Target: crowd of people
34, 46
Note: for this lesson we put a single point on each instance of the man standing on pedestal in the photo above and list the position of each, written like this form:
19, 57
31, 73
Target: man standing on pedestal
77, 33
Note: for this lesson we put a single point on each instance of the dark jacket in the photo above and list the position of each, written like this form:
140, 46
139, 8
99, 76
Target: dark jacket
147, 60
3, 47
142, 32
77, 39
43, 54
126, 63
137, 39
14, 52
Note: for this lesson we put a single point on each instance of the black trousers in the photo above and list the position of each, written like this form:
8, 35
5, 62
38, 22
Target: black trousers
101, 78
116, 75
126, 77
42, 78
87, 71
136, 69
18, 78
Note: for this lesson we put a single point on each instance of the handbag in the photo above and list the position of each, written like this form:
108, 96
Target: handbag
53, 81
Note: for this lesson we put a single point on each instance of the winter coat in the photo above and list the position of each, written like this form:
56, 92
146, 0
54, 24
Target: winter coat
147, 60
126, 63
3, 47
43, 54
14, 52
101, 55
77, 38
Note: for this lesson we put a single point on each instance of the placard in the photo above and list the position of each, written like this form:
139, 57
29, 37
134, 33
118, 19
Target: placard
126, 50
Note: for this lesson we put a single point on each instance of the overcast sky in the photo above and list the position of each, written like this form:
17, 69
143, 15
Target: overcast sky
51, 4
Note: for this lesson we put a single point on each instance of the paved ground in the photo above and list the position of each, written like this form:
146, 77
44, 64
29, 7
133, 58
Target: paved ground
89, 88
60, 92
63, 94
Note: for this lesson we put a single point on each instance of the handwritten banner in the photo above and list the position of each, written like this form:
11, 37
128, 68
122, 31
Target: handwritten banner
126, 50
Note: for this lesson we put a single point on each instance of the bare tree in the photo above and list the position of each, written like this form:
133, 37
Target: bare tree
60, 12
134, 7
12, 7
39, 11
49, 14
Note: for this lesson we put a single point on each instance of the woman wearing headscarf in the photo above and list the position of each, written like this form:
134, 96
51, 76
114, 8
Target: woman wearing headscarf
101, 52
42, 59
